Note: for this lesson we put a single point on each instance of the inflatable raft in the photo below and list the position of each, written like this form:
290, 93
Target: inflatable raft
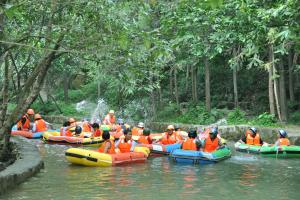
154, 136
196, 157
29, 134
96, 159
160, 148
55, 137
272, 151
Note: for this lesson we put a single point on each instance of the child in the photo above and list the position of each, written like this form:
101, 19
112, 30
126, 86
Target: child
96, 130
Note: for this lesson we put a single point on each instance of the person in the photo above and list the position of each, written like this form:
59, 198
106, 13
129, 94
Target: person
171, 137
72, 122
110, 118
282, 139
108, 145
178, 130
212, 142
139, 129
191, 143
78, 131
24, 124
125, 144
64, 131
252, 137
86, 126
145, 138
96, 130
40, 125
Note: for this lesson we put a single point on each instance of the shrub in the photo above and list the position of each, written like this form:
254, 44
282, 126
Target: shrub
236, 116
264, 119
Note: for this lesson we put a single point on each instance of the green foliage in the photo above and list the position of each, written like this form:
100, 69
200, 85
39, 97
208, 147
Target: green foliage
51, 109
196, 114
295, 118
236, 116
264, 119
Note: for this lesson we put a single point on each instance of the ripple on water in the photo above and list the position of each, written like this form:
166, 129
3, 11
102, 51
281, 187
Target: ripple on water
242, 176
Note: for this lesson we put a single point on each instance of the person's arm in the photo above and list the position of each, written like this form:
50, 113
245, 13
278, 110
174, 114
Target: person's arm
133, 144
261, 142
198, 144
117, 143
243, 139
203, 144
33, 127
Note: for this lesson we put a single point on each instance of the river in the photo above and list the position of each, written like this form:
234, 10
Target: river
243, 176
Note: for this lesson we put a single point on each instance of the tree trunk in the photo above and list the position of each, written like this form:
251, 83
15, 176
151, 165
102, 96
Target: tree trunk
99, 83
291, 69
66, 87
176, 87
187, 80
271, 88
207, 85
282, 92
193, 85
196, 83
3, 107
295, 62
276, 93
27, 95
234, 73
171, 82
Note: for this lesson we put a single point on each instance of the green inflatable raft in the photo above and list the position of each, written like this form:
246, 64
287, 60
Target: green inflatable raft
272, 151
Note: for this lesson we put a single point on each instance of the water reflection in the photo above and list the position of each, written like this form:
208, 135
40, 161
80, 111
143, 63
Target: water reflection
242, 176
249, 174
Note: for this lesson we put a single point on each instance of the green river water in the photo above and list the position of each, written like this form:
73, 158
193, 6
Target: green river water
243, 176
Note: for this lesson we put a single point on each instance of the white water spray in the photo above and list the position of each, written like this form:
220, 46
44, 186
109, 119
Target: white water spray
99, 113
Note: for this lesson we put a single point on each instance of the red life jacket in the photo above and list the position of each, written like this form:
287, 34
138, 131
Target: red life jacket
97, 133
26, 125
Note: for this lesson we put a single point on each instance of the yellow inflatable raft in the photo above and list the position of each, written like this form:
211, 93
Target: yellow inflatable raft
96, 159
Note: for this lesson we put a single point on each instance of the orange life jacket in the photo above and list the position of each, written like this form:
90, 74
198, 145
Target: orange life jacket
253, 141
112, 147
284, 142
109, 120
125, 146
210, 145
167, 139
145, 139
189, 144
137, 131
68, 132
40, 125
26, 125
86, 127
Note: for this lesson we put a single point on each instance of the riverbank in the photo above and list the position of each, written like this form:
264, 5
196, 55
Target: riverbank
27, 163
